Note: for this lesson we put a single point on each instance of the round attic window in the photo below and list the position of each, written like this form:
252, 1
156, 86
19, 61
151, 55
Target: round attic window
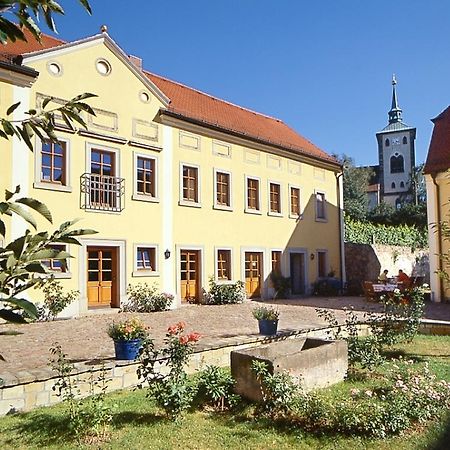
144, 97
103, 67
54, 69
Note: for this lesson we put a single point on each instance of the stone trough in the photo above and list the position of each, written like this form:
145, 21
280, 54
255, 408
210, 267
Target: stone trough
318, 362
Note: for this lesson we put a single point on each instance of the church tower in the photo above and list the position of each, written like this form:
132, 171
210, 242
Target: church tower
396, 155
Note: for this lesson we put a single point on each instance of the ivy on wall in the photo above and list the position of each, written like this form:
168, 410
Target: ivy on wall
369, 233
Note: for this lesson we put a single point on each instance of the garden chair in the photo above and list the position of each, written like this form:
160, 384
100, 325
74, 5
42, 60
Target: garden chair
369, 293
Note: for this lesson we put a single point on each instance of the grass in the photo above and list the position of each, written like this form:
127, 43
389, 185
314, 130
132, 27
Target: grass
138, 424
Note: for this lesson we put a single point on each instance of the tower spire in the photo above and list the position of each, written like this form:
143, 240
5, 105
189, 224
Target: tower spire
395, 114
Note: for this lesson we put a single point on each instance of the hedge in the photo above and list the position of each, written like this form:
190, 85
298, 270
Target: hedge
369, 233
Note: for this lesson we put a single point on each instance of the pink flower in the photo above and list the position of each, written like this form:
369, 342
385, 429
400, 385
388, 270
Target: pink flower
194, 337
173, 329
183, 340
181, 326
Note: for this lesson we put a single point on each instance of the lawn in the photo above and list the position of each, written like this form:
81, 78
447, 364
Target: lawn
138, 424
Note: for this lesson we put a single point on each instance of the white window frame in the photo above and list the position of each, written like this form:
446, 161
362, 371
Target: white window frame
325, 218
145, 272
269, 212
91, 146
247, 209
300, 214
216, 260
230, 193
38, 183
137, 195
57, 274
182, 202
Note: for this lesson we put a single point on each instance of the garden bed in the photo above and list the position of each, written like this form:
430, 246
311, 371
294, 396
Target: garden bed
137, 423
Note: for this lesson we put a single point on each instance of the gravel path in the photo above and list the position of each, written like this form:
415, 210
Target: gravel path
85, 338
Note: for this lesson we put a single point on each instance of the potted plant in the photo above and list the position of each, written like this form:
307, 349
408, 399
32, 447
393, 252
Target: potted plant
267, 318
128, 337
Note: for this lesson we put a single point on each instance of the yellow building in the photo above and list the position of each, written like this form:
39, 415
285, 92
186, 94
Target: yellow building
437, 178
181, 186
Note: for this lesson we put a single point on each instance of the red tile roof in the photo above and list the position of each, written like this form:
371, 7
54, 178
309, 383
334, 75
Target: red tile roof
195, 105
438, 159
20, 47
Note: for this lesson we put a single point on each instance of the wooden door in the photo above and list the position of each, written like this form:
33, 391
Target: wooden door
102, 276
297, 261
253, 274
190, 276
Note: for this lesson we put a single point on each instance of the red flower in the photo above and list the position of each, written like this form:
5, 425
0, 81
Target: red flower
194, 337
181, 326
173, 329
183, 340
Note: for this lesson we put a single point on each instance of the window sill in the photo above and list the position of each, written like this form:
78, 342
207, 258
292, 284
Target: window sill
145, 273
191, 204
296, 216
217, 281
223, 207
145, 198
52, 187
59, 275
274, 214
253, 211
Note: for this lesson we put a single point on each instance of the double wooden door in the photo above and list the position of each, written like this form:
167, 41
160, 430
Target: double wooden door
190, 275
102, 276
253, 274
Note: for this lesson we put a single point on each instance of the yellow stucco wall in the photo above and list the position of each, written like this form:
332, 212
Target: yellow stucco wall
164, 222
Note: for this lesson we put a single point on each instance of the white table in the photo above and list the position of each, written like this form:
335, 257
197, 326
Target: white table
380, 287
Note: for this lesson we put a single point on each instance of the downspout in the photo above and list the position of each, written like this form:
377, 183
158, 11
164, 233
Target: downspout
340, 192
439, 233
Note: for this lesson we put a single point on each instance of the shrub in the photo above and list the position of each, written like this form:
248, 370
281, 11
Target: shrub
143, 298
398, 322
55, 300
215, 388
280, 391
368, 233
281, 285
172, 390
224, 294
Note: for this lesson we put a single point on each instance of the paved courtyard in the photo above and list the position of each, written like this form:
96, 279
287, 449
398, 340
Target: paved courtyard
27, 347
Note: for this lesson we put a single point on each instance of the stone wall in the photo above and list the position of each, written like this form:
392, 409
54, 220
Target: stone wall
366, 262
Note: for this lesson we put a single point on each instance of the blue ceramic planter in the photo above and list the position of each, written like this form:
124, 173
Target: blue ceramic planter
127, 349
268, 327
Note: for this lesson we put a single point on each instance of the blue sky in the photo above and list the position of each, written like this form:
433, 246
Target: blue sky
324, 67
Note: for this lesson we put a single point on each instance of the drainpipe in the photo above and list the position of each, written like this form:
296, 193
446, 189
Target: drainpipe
340, 191
439, 233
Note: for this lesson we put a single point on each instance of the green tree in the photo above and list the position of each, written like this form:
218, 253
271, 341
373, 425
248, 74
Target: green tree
22, 262
356, 182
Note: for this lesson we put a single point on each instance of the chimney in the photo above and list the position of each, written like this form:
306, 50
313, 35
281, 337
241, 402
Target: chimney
136, 61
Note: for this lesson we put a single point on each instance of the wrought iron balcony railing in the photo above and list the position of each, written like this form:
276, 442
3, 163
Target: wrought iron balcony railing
102, 192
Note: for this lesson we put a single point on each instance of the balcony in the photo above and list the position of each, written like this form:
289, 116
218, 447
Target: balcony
102, 192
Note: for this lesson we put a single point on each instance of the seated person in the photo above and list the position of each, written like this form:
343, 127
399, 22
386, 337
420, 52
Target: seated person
403, 278
383, 278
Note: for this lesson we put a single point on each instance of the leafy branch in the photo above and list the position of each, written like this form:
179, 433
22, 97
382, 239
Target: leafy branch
22, 262
26, 13
42, 123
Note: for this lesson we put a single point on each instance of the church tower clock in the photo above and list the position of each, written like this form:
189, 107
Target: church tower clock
396, 155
